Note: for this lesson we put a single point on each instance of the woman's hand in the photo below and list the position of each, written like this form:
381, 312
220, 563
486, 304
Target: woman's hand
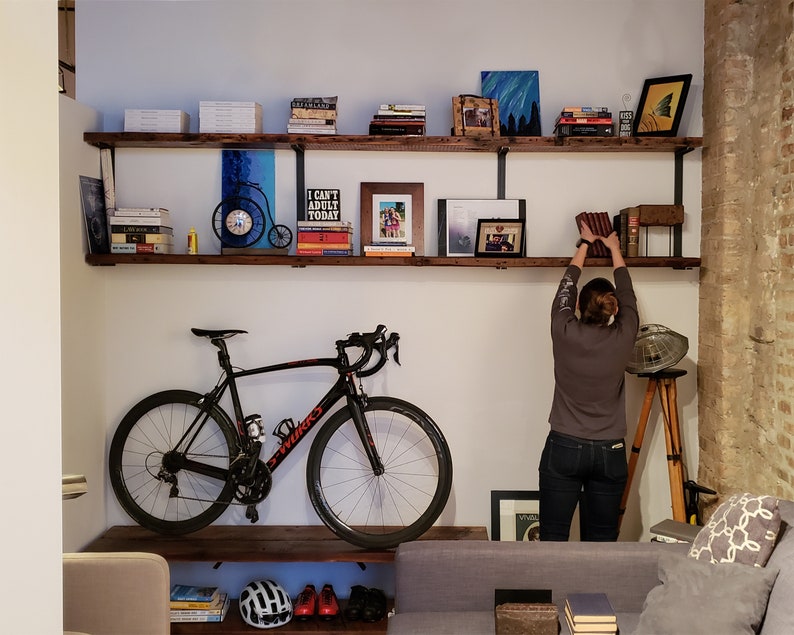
612, 241
585, 233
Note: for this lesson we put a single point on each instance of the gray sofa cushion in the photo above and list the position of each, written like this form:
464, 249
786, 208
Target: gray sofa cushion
700, 598
779, 618
443, 623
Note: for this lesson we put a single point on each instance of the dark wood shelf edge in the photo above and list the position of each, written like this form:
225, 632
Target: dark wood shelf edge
392, 143
257, 543
370, 261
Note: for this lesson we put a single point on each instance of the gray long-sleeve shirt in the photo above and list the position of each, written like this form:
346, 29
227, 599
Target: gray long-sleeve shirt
590, 361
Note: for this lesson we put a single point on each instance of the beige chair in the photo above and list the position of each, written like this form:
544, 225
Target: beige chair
116, 594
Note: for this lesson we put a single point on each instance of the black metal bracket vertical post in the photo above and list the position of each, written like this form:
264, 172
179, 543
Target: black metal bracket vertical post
300, 182
678, 197
501, 169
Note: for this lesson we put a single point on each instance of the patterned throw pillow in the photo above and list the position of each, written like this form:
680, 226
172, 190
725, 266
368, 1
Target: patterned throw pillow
743, 529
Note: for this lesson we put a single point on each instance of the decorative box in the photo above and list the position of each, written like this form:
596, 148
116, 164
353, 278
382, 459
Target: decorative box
527, 619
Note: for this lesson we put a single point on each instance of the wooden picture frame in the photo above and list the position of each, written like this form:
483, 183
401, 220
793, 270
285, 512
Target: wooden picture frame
500, 238
408, 198
475, 116
515, 515
661, 106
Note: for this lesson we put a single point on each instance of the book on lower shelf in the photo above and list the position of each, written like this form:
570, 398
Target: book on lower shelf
185, 593
601, 225
389, 250
215, 613
590, 613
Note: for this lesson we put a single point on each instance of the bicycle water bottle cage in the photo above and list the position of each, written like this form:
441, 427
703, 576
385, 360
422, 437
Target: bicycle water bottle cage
284, 428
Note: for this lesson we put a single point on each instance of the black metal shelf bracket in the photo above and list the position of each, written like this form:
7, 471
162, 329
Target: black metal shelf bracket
501, 171
300, 181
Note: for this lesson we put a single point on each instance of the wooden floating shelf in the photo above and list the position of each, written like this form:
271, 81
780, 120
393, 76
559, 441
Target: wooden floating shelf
391, 143
376, 261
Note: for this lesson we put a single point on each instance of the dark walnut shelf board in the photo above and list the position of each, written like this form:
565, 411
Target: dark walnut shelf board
383, 143
254, 543
233, 625
369, 261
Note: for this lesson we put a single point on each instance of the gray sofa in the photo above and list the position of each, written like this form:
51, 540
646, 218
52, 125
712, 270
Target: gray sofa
447, 587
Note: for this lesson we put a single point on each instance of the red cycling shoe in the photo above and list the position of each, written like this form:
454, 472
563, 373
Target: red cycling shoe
305, 604
328, 605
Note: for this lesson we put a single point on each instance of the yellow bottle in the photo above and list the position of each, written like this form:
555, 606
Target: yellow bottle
192, 241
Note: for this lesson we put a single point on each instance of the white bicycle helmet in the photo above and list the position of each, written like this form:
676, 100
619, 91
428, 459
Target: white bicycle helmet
264, 604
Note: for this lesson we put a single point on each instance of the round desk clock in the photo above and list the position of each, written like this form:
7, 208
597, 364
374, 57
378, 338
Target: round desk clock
239, 221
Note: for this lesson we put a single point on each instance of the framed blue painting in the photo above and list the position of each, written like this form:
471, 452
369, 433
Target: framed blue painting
518, 93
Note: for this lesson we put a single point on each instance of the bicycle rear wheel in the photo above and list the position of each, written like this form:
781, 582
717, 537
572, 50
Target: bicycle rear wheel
164, 490
379, 512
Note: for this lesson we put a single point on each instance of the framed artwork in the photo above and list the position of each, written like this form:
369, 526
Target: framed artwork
518, 94
500, 237
457, 221
250, 166
515, 515
393, 213
661, 106
475, 116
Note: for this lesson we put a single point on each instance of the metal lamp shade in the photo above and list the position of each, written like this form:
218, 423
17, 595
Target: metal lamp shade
656, 348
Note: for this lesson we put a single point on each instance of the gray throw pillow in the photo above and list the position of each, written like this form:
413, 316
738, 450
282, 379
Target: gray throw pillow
699, 598
743, 529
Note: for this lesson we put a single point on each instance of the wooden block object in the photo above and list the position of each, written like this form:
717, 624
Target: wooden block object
527, 619
661, 215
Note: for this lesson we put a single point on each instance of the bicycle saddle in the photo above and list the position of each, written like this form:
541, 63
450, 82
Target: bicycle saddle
215, 334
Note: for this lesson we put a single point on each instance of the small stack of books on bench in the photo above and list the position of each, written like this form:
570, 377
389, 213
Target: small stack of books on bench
198, 604
590, 614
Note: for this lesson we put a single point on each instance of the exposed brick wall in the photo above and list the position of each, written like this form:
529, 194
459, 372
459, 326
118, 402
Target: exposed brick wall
746, 350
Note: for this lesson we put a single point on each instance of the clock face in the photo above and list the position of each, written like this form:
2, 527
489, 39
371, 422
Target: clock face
239, 222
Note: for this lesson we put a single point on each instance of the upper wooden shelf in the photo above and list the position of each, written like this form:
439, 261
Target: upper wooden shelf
366, 261
391, 143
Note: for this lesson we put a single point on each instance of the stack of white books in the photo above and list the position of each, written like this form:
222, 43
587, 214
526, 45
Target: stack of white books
151, 120
140, 230
230, 116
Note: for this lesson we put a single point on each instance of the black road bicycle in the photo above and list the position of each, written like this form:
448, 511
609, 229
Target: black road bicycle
379, 470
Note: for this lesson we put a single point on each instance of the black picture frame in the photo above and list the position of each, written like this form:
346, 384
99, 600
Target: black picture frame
661, 106
519, 506
500, 238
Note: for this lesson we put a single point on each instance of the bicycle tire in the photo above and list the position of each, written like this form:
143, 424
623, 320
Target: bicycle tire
140, 442
380, 512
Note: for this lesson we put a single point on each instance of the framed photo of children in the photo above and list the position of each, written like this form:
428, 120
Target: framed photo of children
393, 213
499, 238
661, 106
515, 515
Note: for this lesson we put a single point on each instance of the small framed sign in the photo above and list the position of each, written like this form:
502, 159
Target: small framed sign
501, 237
475, 116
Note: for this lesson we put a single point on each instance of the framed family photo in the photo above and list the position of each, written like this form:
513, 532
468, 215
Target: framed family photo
393, 213
475, 116
515, 515
661, 106
457, 221
500, 237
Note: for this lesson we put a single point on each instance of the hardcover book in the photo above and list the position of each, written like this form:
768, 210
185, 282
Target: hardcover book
601, 225
188, 593
586, 608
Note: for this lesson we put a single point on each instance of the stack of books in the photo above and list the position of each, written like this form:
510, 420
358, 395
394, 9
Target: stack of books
198, 604
136, 120
312, 115
590, 614
398, 119
230, 116
140, 230
601, 225
584, 121
324, 238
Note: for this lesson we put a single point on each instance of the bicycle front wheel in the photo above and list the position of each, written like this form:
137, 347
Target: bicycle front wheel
380, 511
162, 487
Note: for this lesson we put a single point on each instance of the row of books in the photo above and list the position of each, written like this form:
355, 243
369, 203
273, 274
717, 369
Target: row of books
198, 604
584, 121
312, 115
399, 119
140, 230
324, 238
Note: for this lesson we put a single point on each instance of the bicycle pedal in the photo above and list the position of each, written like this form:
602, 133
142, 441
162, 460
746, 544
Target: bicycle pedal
252, 513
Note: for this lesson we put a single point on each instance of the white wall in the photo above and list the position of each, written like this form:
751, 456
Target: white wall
173, 54
30, 387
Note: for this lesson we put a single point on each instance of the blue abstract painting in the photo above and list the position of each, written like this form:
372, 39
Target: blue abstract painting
518, 93
241, 167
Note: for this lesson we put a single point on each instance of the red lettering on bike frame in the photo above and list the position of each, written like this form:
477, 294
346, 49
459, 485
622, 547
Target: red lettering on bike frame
290, 442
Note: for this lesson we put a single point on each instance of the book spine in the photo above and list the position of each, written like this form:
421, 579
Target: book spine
583, 130
585, 109
633, 237
379, 129
342, 224
314, 104
324, 237
309, 246
141, 229
108, 180
324, 252
404, 249
585, 120
313, 113
393, 107
595, 114
140, 211
196, 618
140, 248
307, 121
390, 254
142, 221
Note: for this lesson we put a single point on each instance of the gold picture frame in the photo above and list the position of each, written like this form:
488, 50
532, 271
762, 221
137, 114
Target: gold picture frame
409, 198
475, 116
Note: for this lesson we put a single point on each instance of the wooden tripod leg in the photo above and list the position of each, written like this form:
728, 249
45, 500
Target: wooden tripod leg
637, 445
672, 438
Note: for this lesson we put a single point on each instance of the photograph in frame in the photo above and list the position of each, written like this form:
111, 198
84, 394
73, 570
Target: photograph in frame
475, 116
457, 221
392, 214
661, 106
500, 238
515, 515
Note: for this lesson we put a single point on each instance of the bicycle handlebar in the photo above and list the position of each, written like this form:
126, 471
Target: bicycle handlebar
370, 342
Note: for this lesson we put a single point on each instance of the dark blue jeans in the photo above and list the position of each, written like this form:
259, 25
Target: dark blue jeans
593, 471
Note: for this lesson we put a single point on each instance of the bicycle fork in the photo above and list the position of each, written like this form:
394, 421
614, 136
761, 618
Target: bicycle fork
356, 403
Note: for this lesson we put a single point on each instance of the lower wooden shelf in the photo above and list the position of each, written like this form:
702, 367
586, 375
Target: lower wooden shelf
233, 625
